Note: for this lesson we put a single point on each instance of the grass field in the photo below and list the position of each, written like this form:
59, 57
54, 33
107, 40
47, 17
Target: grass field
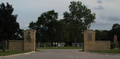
115, 51
10, 52
59, 48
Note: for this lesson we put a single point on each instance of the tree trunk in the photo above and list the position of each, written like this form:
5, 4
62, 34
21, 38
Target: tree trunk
61, 36
75, 42
3, 45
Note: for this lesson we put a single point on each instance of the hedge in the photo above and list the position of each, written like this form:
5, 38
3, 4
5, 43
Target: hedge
119, 44
0, 46
112, 46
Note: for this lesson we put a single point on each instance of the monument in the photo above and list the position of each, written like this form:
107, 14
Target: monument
28, 44
61, 44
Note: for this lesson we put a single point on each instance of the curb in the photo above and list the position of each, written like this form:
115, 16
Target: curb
103, 53
28, 53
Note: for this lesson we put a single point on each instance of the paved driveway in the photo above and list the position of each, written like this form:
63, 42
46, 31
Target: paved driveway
63, 54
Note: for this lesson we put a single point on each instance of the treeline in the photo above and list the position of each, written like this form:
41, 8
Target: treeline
69, 29
108, 35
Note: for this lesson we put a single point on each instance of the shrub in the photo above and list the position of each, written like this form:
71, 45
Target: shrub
112, 46
0, 46
119, 44
66, 45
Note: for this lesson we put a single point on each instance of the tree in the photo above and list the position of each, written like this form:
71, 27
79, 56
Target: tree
49, 21
115, 31
8, 24
79, 19
46, 26
63, 31
102, 35
18, 35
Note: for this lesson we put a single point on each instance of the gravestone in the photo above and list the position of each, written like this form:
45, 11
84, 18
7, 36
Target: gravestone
61, 44
81, 44
58, 45
29, 40
38, 44
73, 45
48, 44
44, 44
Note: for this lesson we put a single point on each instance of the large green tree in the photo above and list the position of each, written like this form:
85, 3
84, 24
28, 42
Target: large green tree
46, 26
79, 18
102, 35
63, 31
8, 24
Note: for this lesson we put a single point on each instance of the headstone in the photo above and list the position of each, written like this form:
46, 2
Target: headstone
38, 44
6, 44
73, 45
58, 45
53, 43
48, 44
115, 41
61, 44
44, 44
81, 44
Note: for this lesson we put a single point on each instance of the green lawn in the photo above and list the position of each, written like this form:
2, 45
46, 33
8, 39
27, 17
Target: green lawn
59, 48
10, 52
115, 51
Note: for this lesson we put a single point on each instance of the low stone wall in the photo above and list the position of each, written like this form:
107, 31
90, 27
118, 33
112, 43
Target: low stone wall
97, 45
102, 45
28, 44
90, 43
16, 45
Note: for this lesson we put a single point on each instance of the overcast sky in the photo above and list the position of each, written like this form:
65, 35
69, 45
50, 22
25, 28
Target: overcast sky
107, 11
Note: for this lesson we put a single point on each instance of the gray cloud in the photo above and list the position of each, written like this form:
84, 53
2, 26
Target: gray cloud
86, 5
113, 18
30, 10
99, 8
99, 1
101, 26
102, 16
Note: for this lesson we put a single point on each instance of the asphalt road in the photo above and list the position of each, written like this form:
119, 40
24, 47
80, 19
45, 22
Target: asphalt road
63, 54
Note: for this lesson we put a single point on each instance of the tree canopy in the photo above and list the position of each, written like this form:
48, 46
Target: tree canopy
46, 26
79, 18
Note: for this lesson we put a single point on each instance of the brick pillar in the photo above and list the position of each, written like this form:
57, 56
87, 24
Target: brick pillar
89, 40
29, 40
115, 41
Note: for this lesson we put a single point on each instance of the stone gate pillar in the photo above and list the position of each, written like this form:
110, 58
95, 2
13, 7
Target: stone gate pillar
29, 40
89, 40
